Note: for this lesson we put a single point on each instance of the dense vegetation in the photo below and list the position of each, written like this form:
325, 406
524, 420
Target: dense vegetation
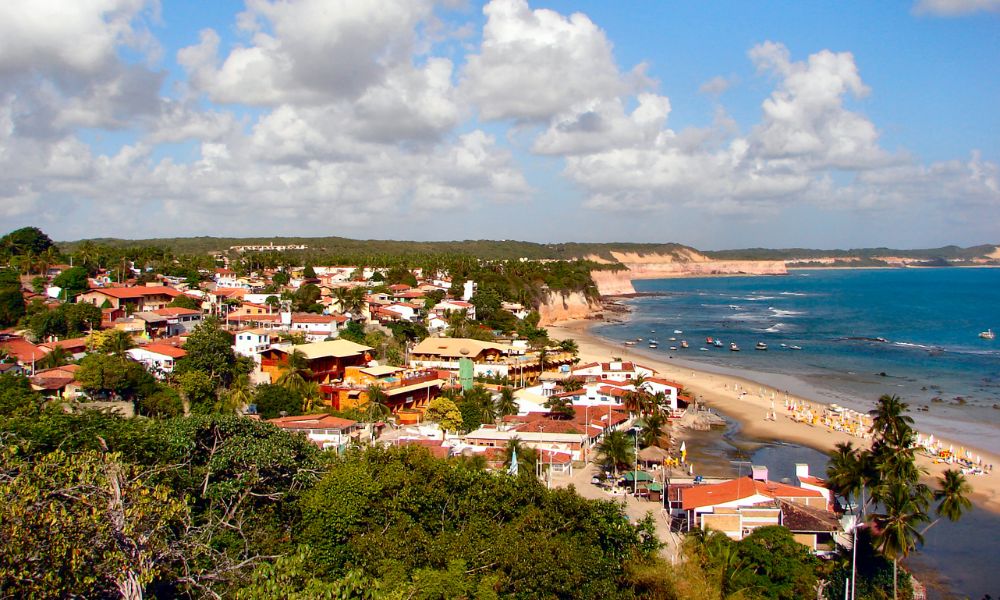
206, 505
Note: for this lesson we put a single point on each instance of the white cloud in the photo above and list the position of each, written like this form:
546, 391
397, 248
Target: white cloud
717, 85
534, 64
955, 8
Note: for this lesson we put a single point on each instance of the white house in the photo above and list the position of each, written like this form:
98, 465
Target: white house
613, 371
159, 359
180, 320
251, 342
324, 430
316, 327
450, 306
404, 310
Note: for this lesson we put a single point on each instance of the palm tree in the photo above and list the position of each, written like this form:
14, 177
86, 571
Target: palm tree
506, 403
652, 429
118, 342
843, 473
237, 396
569, 345
376, 408
897, 534
295, 371
572, 384
311, 393
560, 407
952, 497
527, 457
889, 419
616, 450
57, 357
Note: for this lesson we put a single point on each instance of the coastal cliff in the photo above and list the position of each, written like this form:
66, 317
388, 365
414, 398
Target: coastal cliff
572, 306
681, 263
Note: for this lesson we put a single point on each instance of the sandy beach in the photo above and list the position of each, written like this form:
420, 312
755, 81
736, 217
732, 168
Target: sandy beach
722, 392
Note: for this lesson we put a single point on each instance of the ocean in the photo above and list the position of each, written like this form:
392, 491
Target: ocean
861, 334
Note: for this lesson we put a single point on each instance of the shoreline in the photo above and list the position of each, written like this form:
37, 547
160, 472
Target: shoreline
719, 391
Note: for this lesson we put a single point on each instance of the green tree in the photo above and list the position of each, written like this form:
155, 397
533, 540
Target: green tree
209, 350
91, 524
272, 400
105, 375
445, 413
653, 430
12, 306
560, 407
57, 357
199, 391
17, 398
527, 457
295, 371
73, 281
309, 272
25, 240
898, 522
185, 301
506, 403
616, 451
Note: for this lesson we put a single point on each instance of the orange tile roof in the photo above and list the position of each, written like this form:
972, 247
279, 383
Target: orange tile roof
321, 421
137, 292
742, 487
23, 350
165, 350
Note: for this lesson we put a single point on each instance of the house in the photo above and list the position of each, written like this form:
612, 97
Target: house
180, 320
325, 360
159, 359
75, 347
554, 435
489, 359
132, 299
325, 431
613, 371
738, 506
406, 311
407, 391
22, 352
252, 342
451, 306
58, 382
316, 327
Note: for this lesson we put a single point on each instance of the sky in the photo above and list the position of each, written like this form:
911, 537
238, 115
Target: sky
726, 124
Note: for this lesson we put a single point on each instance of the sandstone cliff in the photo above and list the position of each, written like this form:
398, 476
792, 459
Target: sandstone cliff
563, 308
682, 263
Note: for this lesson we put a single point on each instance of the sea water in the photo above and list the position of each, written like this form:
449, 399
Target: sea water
862, 333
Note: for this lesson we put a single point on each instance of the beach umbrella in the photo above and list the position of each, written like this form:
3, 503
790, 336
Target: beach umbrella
691, 469
683, 452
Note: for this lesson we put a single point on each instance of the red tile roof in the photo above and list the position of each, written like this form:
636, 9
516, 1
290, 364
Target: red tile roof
123, 293
322, 421
739, 488
70, 344
165, 350
23, 350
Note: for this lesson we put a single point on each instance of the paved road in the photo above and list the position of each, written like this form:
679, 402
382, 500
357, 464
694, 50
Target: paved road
635, 508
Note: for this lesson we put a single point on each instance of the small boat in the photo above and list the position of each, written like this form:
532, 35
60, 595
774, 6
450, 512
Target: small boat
630, 343
673, 347
733, 347
709, 340
987, 335
673, 339
795, 347
761, 346
684, 344
653, 346
678, 331
717, 343
703, 349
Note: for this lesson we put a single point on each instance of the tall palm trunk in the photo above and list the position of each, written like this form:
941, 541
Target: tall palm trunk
895, 570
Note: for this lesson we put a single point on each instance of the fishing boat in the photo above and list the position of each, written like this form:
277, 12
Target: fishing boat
795, 347
733, 347
709, 340
684, 344
630, 343
987, 335
717, 343
703, 349
653, 345
673, 339
678, 331
673, 347
761, 346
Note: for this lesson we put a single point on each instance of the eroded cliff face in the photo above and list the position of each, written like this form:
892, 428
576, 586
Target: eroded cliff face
572, 306
684, 263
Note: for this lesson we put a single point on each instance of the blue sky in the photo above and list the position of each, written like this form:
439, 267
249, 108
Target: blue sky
719, 125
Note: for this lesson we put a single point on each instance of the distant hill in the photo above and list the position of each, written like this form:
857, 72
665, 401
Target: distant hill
512, 249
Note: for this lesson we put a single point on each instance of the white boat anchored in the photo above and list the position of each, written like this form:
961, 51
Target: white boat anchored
987, 335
